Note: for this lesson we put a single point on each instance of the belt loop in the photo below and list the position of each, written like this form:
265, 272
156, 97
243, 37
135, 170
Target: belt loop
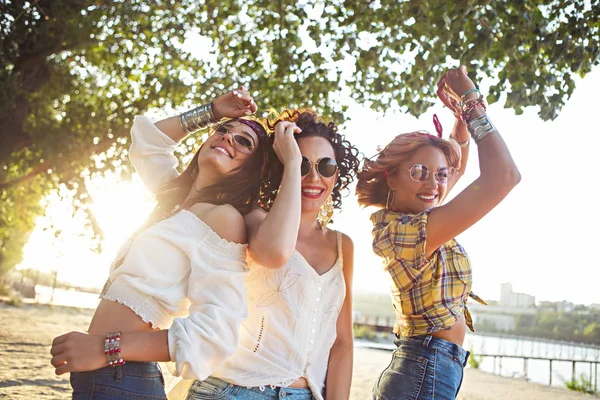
118, 373
427, 340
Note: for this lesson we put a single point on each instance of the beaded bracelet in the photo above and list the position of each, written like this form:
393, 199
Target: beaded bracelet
468, 107
464, 96
197, 118
112, 349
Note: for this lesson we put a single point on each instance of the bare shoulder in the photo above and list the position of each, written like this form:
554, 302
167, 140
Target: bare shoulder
254, 218
225, 220
347, 242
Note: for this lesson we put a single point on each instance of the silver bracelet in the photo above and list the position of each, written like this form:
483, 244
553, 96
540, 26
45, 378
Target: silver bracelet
480, 127
197, 118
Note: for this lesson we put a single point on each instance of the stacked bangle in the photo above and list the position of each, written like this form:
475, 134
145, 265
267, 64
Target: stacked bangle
197, 118
112, 349
480, 127
467, 107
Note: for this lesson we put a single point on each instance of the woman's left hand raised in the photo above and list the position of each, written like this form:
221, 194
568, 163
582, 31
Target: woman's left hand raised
233, 104
78, 352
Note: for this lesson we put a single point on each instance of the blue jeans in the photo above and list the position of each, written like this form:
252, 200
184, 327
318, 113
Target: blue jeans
422, 367
213, 388
132, 380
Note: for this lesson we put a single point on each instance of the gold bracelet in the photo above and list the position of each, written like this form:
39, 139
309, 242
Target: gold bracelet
461, 144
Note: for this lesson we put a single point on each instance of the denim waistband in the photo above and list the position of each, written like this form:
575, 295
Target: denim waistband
132, 368
452, 349
267, 389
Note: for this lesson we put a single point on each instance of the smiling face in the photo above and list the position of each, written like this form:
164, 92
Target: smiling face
315, 187
228, 148
412, 192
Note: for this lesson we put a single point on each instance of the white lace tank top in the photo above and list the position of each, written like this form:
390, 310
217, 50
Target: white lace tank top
291, 326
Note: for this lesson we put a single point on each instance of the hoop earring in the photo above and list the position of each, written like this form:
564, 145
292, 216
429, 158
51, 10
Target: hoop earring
326, 212
390, 199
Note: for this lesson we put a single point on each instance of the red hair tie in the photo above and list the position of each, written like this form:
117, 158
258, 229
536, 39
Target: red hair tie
438, 125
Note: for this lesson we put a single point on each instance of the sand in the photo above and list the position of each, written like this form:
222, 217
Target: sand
25, 372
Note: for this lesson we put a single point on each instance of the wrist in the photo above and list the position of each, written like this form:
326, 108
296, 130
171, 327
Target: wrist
215, 111
198, 118
292, 166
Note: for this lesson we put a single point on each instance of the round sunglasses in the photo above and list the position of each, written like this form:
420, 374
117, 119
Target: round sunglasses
241, 141
420, 173
326, 166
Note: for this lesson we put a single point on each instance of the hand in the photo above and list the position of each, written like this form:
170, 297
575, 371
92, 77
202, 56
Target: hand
285, 145
237, 103
78, 352
452, 86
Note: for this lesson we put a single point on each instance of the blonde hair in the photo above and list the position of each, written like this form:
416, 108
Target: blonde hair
372, 188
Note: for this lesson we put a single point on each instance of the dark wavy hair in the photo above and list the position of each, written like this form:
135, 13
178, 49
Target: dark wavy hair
241, 188
312, 125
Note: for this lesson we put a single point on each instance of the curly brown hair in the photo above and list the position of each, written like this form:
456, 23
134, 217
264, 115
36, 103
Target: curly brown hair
312, 125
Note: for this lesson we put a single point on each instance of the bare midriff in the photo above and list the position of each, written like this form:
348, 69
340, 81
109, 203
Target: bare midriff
111, 316
456, 334
300, 383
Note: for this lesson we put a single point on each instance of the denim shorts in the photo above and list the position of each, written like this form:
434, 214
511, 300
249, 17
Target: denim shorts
132, 380
422, 367
213, 388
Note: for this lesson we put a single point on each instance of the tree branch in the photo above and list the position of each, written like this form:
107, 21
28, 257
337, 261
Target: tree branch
32, 174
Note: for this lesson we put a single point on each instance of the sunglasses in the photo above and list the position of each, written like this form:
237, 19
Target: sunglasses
241, 141
420, 173
326, 166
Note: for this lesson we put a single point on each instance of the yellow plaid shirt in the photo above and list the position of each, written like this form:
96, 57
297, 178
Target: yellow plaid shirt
428, 295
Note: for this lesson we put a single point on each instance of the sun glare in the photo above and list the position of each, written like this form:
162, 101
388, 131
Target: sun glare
61, 242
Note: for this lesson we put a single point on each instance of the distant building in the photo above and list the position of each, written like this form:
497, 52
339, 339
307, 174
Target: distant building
595, 306
564, 306
508, 298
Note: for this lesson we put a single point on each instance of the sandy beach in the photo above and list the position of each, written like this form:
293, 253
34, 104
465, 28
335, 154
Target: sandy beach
25, 372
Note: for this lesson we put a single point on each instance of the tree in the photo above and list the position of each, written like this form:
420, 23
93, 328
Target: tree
73, 73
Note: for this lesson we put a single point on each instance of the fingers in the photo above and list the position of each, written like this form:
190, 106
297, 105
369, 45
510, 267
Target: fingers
59, 360
60, 339
244, 100
57, 348
293, 128
63, 369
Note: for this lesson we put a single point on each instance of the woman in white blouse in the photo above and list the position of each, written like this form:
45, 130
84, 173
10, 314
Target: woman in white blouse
297, 341
188, 257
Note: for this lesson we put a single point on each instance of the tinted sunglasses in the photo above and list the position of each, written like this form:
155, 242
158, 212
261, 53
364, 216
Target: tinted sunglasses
241, 141
326, 166
420, 173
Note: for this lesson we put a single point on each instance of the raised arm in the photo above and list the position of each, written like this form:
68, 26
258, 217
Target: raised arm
460, 133
153, 144
272, 236
498, 173
236, 103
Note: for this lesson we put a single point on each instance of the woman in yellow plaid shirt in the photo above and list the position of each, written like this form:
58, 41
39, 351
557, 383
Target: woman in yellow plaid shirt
414, 234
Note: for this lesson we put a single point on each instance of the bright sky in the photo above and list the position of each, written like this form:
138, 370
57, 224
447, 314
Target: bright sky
534, 239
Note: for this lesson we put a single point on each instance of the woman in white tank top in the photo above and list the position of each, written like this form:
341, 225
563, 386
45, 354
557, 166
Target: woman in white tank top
298, 339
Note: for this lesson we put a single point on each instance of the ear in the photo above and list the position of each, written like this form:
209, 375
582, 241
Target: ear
392, 179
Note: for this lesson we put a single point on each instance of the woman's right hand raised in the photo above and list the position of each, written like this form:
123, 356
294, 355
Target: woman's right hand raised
453, 85
234, 104
285, 145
